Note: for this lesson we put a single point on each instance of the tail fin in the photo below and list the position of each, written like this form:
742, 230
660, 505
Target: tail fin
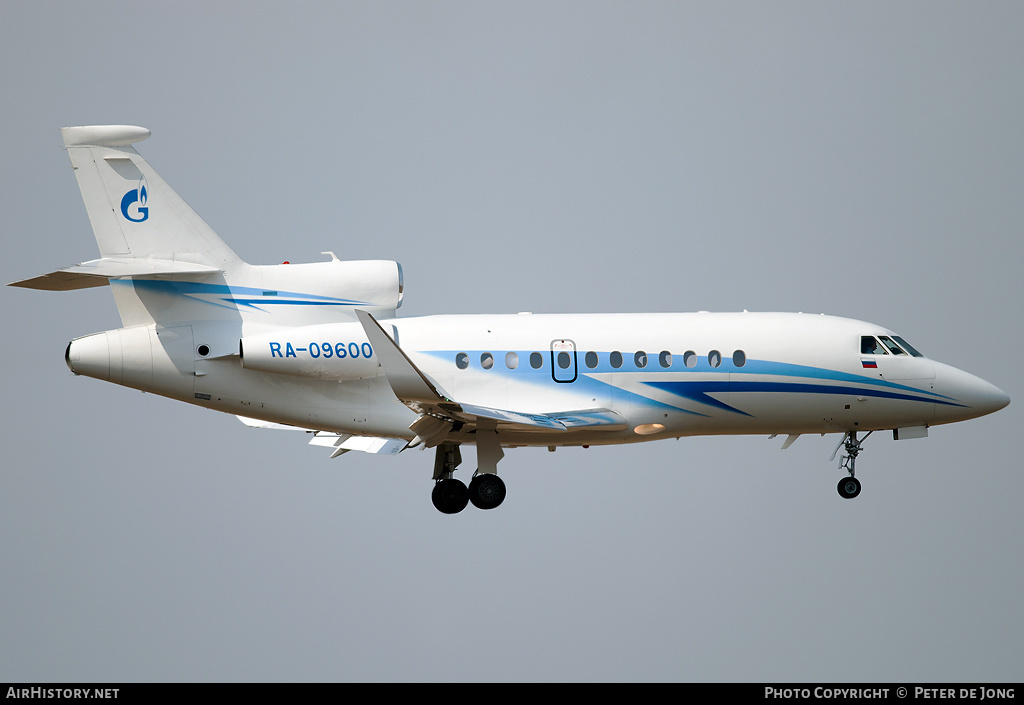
135, 215
169, 268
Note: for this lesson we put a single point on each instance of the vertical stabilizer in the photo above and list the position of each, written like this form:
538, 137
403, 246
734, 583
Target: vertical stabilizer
167, 267
135, 215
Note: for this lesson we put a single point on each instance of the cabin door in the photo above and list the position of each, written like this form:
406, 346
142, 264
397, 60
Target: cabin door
563, 361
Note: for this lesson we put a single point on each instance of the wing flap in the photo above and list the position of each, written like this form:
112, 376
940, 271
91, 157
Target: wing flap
604, 419
471, 412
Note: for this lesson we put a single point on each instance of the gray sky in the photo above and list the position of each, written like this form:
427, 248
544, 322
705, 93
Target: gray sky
860, 159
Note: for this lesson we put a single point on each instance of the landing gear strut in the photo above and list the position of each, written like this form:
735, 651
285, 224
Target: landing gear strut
849, 487
449, 496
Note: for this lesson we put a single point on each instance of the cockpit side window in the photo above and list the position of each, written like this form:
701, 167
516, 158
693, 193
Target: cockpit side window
870, 346
892, 346
906, 346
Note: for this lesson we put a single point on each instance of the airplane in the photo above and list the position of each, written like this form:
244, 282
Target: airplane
319, 347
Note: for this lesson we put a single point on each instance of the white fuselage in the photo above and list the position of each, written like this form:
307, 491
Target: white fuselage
665, 375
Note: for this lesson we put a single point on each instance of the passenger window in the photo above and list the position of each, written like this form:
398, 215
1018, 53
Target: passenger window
665, 358
870, 346
536, 360
739, 358
591, 359
462, 361
714, 358
690, 358
486, 360
615, 359
564, 360
511, 360
640, 359
892, 346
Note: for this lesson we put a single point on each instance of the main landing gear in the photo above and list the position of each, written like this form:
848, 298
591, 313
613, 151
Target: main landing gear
450, 496
849, 487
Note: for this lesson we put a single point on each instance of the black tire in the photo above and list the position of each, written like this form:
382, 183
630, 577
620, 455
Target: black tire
848, 487
486, 491
450, 496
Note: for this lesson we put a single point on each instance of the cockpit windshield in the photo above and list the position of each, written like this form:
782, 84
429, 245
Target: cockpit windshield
886, 345
891, 346
906, 346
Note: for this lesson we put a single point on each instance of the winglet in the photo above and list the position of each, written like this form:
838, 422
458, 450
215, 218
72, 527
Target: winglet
407, 381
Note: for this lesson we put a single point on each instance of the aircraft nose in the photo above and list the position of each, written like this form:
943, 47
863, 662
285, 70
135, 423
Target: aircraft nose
992, 398
974, 396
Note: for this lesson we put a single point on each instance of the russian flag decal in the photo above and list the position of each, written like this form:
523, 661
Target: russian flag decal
869, 364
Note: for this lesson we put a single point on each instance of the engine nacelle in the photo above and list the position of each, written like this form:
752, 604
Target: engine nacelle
336, 351
159, 360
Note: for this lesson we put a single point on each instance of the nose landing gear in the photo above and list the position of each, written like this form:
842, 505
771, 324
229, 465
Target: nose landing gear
849, 487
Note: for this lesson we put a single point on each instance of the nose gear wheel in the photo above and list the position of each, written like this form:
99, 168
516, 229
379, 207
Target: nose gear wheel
849, 487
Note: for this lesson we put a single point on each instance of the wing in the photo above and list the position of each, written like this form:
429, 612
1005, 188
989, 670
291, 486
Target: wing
341, 442
438, 413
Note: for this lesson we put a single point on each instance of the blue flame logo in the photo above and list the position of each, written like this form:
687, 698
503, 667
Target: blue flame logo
137, 195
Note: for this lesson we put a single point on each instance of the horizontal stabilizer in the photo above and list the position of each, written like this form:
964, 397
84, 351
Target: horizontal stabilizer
97, 272
103, 135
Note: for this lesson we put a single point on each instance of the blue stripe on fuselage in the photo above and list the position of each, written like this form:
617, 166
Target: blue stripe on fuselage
699, 390
226, 296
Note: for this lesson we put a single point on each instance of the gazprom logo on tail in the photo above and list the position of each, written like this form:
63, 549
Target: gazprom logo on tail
139, 196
